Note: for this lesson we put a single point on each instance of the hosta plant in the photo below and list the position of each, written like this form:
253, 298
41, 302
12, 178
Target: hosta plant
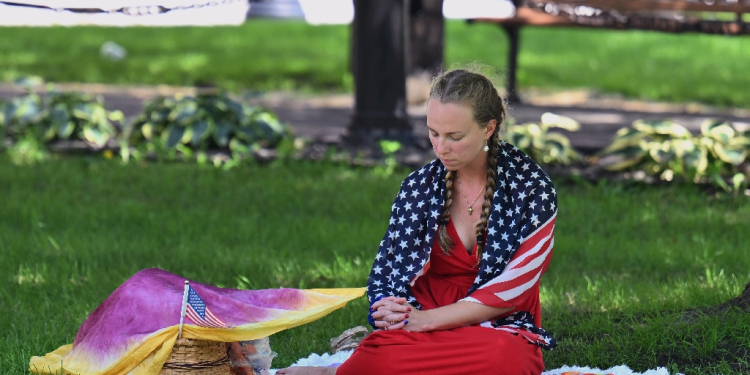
667, 149
536, 141
81, 115
28, 150
188, 124
21, 114
60, 116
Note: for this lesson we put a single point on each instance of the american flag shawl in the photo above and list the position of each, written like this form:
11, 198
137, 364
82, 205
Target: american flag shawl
199, 313
521, 227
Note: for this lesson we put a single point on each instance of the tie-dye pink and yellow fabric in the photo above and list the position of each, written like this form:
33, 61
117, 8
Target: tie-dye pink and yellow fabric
133, 331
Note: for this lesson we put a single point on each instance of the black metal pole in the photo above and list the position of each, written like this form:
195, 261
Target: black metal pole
513, 38
426, 37
513, 32
379, 68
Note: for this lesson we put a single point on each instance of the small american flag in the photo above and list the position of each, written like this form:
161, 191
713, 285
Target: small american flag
199, 313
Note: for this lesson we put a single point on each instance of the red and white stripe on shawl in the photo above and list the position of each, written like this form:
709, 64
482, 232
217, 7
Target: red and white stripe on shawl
515, 329
211, 321
422, 271
522, 272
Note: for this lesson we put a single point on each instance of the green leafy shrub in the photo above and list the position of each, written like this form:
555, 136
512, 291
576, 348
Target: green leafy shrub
81, 115
544, 147
21, 114
389, 149
667, 149
28, 150
206, 121
59, 116
166, 126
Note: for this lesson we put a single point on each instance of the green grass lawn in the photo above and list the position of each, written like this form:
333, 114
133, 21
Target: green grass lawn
629, 259
271, 55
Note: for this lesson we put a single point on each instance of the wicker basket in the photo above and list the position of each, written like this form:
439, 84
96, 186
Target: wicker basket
195, 357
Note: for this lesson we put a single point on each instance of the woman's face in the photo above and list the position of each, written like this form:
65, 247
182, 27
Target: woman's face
457, 139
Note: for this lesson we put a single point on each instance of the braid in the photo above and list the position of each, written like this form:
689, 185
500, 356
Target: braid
498, 108
444, 239
494, 143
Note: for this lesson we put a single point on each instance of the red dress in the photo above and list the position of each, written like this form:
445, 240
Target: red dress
465, 350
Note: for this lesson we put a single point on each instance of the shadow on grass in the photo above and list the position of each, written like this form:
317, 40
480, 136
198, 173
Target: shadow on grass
698, 341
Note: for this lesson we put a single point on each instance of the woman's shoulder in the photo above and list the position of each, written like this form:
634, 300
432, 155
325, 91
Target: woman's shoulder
515, 164
523, 182
426, 174
525, 192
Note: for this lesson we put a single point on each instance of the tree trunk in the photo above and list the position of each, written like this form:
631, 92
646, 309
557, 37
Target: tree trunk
379, 68
426, 37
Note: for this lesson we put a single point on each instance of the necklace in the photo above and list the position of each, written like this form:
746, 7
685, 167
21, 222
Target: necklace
471, 206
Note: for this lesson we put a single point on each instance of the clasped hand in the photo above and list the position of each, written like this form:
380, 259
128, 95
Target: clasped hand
392, 313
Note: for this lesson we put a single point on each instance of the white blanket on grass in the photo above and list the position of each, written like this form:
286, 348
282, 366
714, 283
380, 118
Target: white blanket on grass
331, 359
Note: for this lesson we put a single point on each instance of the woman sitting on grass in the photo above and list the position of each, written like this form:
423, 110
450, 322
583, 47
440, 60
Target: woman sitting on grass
452, 292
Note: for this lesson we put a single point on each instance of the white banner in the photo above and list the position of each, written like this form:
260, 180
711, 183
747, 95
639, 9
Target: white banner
113, 5
124, 13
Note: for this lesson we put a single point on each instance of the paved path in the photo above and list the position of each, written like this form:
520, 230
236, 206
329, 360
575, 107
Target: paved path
325, 118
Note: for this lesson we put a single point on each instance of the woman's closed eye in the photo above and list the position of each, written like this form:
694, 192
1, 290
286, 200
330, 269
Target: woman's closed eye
454, 137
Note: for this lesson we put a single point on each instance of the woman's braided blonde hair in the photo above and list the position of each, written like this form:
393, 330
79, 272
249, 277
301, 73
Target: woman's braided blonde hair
477, 91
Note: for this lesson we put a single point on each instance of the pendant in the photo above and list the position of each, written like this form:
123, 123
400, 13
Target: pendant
471, 210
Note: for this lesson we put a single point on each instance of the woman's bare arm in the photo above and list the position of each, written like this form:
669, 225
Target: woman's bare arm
459, 314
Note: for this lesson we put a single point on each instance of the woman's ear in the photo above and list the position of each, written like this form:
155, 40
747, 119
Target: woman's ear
491, 126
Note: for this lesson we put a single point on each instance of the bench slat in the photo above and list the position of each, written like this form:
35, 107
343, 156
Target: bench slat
617, 14
526, 16
741, 6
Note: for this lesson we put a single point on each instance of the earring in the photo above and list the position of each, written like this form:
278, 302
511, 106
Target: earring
486, 147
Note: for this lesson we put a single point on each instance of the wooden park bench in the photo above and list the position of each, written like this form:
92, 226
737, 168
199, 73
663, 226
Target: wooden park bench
673, 16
